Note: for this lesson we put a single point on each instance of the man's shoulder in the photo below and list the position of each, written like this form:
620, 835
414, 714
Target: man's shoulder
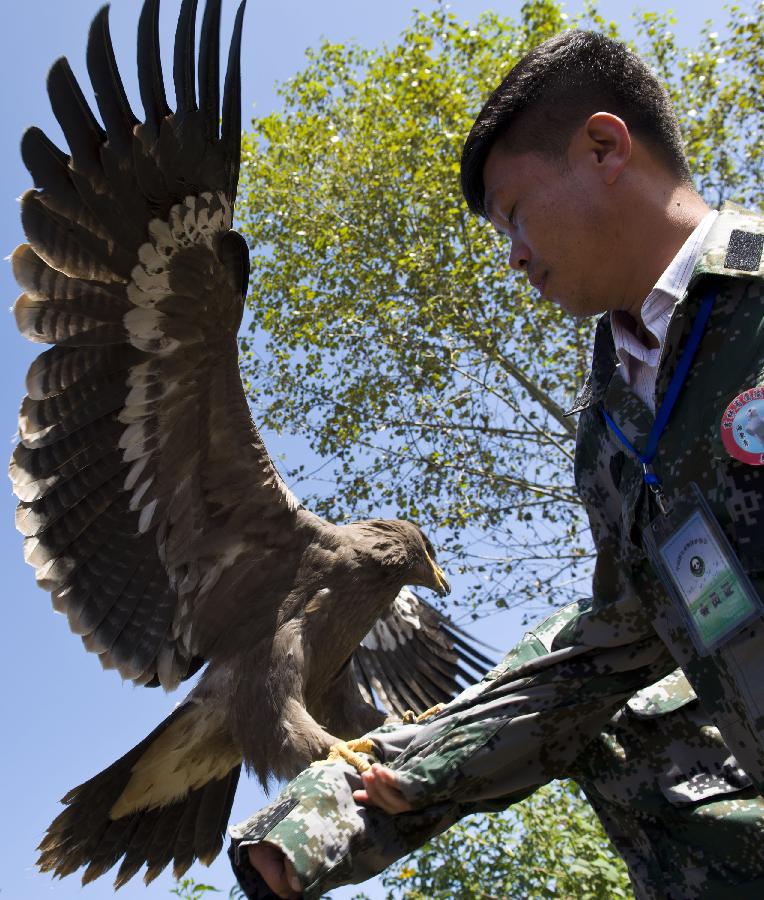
734, 246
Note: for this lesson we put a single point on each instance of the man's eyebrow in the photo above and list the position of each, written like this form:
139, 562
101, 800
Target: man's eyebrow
488, 203
492, 212
492, 220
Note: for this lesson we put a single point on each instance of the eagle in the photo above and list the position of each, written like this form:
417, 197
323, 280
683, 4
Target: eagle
151, 510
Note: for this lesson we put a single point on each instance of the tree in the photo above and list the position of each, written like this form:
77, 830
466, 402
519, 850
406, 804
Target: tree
387, 327
550, 845
188, 889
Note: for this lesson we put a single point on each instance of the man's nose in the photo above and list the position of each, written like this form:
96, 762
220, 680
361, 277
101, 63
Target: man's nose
519, 256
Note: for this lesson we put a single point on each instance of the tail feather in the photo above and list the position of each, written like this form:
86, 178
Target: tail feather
110, 848
166, 828
166, 835
209, 825
137, 850
184, 854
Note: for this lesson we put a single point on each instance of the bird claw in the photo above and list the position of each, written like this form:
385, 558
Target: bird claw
348, 751
432, 711
411, 718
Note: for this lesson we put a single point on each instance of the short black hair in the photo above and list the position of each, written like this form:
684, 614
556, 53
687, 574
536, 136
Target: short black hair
554, 89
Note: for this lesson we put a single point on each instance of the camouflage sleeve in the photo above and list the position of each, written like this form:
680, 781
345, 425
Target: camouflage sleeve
329, 838
524, 724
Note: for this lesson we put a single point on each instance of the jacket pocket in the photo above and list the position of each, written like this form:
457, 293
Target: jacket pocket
695, 763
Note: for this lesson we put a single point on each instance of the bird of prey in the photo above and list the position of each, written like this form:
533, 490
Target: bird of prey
150, 507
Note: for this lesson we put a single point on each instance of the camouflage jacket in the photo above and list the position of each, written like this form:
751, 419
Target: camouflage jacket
531, 720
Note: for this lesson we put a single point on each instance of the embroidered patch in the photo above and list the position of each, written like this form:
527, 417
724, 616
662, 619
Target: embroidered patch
742, 427
744, 251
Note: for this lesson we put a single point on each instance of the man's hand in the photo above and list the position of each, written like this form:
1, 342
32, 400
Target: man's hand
276, 870
380, 788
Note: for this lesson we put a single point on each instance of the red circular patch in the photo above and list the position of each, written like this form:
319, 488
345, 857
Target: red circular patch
742, 427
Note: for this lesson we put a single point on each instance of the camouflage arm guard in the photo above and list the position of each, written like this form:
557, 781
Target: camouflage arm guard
673, 800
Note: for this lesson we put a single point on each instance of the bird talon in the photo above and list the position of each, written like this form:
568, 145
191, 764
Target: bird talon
411, 718
349, 752
432, 711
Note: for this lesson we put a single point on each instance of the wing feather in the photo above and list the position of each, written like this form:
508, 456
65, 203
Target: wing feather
52, 175
68, 246
414, 657
82, 132
183, 59
122, 610
150, 507
209, 69
231, 119
370, 664
150, 78
117, 115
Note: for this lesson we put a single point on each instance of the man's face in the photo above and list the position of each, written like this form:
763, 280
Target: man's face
561, 235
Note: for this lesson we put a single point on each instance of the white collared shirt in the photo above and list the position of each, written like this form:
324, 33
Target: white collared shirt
639, 363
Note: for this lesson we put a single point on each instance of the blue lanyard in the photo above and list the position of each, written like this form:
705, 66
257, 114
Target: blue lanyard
669, 400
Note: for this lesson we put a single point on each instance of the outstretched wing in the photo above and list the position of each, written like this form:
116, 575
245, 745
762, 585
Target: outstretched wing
150, 506
414, 657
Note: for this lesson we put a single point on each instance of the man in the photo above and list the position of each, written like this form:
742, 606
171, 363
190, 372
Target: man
577, 158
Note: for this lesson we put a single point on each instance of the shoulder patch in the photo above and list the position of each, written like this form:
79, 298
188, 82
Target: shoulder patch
734, 245
742, 427
744, 251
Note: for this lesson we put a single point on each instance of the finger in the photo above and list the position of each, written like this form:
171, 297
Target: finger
387, 796
369, 794
391, 800
270, 862
385, 775
362, 797
388, 783
292, 877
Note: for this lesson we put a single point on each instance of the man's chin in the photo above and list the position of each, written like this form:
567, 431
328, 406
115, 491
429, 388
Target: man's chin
575, 307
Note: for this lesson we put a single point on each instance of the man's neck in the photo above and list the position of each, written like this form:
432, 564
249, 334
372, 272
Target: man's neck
657, 236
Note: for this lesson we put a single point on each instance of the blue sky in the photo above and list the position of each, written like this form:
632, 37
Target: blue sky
64, 718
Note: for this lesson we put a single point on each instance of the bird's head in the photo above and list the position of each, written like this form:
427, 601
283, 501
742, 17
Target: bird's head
404, 551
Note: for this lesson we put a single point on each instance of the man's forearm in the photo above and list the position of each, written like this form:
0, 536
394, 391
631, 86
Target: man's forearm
490, 747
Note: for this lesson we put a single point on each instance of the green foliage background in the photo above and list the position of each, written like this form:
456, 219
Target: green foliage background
387, 328
550, 845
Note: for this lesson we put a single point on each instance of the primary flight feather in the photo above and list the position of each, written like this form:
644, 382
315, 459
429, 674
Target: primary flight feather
151, 509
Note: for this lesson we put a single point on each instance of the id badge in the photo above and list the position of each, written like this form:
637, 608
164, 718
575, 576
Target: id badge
700, 571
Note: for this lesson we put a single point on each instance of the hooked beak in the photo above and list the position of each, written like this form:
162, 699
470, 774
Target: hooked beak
441, 586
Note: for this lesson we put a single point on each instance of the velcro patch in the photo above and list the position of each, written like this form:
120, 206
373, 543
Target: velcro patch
257, 828
744, 251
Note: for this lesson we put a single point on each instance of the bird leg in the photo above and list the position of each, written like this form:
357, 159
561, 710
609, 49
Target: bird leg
350, 751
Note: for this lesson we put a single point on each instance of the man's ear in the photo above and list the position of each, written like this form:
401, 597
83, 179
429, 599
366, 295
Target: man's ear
604, 142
